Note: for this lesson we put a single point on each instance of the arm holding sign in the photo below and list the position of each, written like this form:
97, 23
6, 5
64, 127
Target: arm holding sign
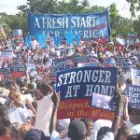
56, 102
117, 120
126, 115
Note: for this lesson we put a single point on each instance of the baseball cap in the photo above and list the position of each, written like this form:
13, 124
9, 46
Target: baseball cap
77, 130
35, 134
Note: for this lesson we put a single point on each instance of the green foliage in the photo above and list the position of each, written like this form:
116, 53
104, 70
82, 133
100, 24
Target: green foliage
134, 6
119, 25
12, 22
136, 26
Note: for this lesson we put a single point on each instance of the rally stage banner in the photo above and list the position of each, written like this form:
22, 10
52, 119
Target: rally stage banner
133, 93
76, 87
86, 26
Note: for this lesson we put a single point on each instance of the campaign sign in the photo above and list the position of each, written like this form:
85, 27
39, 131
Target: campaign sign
62, 64
120, 61
85, 26
103, 101
80, 59
4, 74
87, 64
17, 33
135, 74
17, 60
7, 56
17, 70
133, 93
30, 66
76, 87
85, 61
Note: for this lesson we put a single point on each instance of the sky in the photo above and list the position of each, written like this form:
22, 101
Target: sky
10, 6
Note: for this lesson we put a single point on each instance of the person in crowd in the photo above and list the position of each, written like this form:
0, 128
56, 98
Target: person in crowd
5, 130
44, 109
123, 133
38, 119
24, 129
131, 115
106, 133
77, 130
89, 126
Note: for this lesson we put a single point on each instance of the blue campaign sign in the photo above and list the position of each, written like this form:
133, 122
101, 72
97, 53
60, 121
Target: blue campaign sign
120, 61
62, 64
133, 93
84, 26
17, 67
80, 83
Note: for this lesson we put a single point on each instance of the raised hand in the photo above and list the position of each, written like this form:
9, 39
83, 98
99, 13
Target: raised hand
56, 98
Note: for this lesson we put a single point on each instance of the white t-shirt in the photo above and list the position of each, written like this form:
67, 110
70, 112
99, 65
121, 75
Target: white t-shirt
56, 136
136, 129
129, 124
43, 115
108, 136
97, 125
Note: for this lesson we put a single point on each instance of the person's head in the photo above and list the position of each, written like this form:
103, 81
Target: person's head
62, 125
22, 84
31, 86
5, 121
2, 114
24, 129
32, 79
129, 81
34, 134
2, 130
89, 126
14, 133
134, 115
123, 133
5, 129
1, 84
12, 87
46, 89
77, 130
101, 58
39, 85
102, 132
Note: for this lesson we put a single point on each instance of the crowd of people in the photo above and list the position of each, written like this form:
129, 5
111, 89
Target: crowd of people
29, 104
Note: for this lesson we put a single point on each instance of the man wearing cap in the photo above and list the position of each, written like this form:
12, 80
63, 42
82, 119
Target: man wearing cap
77, 130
